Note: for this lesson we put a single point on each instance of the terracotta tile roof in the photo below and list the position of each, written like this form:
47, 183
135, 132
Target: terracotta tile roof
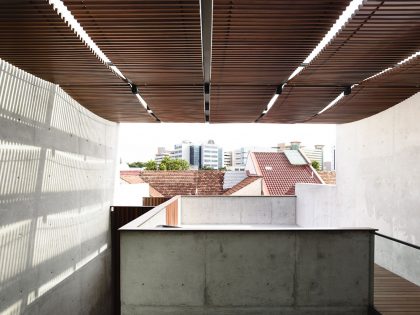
328, 177
172, 183
243, 183
279, 175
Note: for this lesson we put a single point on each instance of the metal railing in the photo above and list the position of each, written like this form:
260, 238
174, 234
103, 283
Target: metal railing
397, 240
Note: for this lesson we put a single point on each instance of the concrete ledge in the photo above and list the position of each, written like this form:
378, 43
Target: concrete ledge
129, 310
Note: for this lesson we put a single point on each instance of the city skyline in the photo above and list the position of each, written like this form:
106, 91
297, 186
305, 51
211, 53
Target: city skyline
139, 142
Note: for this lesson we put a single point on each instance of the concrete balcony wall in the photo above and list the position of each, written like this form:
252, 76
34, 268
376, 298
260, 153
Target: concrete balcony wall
238, 210
378, 180
178, 271
57, 173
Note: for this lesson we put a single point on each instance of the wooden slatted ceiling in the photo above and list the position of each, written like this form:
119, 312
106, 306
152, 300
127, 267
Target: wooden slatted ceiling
238, 103
375, 95
157, 45
260, 43
378, 36
34, 38
294, 104
176, 103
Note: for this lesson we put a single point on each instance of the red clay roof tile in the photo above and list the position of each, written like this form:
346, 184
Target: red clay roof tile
279, 175
172, 183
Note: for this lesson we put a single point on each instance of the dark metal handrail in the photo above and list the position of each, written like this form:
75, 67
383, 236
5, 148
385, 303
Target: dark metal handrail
397, 240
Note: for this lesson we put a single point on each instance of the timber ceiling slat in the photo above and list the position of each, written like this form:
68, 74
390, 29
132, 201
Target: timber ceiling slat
260, 43
155, 44
34, 38
294, 104
175, 103
245, 103
375, 95
378, 36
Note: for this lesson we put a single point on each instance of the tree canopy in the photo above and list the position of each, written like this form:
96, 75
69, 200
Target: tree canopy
316, 166
137, 164
167, 164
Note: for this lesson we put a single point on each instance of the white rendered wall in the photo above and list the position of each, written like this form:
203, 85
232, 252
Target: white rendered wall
57, 173
253, 189
378, 184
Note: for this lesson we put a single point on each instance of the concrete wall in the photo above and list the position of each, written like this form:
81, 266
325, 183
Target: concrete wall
378, 175
245, 272
238, 210
316, 205
57, 163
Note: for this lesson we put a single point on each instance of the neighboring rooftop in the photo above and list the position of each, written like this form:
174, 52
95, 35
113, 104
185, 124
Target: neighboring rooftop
279, 175
242, 184
172, 183
328, 177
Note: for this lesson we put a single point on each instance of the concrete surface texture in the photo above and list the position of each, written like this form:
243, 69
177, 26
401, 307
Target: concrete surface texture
57, 171
238, 210
378, 175
246, 272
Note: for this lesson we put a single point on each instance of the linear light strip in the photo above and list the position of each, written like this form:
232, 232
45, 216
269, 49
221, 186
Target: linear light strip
402, 62
337, 26
68, 17
335, 101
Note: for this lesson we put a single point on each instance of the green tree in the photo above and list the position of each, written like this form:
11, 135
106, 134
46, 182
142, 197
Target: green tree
150, 165
169, 164
137, 164
206, 168
316, 166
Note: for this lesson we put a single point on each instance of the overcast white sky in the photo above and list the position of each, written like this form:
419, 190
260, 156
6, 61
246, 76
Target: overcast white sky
139, 142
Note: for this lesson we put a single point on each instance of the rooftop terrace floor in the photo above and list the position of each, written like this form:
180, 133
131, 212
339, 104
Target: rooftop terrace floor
395, 295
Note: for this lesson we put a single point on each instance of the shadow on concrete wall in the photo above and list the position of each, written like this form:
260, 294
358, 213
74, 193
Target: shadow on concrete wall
56, 184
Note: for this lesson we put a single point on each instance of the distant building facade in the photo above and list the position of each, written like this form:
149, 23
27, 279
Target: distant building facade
182, 151
316, 154
195, 156
161, 153
206, 155
227, 159
211, 155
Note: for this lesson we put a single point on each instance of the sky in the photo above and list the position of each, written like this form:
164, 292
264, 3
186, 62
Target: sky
139, 142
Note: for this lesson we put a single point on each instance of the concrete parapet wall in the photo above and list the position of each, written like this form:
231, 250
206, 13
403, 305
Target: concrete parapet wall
238, 210
246, 272
378, 175
316, 205
57, 163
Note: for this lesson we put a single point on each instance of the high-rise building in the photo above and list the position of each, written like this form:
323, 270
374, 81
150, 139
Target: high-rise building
182, 151
195, 156
211, 155
227, 159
